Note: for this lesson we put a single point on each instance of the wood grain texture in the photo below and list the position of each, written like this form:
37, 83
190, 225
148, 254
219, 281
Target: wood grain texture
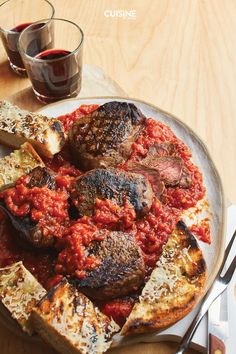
179, 55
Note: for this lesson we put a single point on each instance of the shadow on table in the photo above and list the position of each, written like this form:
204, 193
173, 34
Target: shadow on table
95, 83
6, 71
26, 99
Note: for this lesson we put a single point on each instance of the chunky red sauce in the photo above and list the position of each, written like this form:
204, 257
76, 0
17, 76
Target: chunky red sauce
114, 217
41, 265
157, 132
73, 259
118, 309
50, 209
202, 230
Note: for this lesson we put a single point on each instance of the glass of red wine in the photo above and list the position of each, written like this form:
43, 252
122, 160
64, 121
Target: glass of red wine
15, 16
52, 55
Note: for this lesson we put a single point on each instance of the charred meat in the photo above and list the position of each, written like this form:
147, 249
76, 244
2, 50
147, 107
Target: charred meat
28, 231
114, 184
152, 175
121, 271
40, 177
104, 137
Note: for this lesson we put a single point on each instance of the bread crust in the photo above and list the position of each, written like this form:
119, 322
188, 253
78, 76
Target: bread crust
19, 293
18, 126
18, 163
174, 287
71, 323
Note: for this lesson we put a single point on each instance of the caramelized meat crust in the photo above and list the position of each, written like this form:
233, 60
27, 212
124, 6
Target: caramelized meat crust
104, 137
40, 177
116, 185
121, 271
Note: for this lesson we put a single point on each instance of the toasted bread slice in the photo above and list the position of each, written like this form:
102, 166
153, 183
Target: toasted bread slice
174, 287
18, 163
71, 323
19, 293
18, 126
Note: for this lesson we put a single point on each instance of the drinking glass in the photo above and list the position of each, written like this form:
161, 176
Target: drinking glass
15, 16
52, 55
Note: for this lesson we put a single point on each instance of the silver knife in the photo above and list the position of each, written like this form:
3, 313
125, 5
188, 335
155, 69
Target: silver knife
218, 329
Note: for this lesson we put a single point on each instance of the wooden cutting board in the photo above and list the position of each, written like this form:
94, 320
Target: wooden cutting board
95, 83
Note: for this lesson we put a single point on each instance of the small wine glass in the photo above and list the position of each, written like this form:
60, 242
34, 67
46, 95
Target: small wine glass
52, 56
15, 16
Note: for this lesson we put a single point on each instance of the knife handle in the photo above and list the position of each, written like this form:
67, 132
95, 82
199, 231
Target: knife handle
216, 345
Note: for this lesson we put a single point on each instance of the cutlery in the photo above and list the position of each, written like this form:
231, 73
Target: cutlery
218, 325
220, 284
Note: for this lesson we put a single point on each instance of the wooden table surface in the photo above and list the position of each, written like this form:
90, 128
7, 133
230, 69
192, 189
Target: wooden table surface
177, 54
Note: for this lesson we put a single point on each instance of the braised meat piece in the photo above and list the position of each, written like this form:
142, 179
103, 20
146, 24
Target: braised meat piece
28, 232
162, 149
186, 179
104, 137
114, 184
40, 177
169, 167
151, 174
121, 271
160, 157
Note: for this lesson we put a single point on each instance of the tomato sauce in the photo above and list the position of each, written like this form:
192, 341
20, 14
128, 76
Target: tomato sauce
50, 209
155, 133
73, 259
41, 265
153, 230
112, 216
118, 309
202, 230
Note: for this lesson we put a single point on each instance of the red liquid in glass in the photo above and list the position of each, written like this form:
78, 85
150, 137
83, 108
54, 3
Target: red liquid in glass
10, 41
52, 54
21, 27
55, 75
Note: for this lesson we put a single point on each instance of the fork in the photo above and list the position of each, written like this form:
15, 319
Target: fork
218, 287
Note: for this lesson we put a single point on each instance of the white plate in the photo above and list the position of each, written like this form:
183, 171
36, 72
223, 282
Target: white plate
201, 157
213, 253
